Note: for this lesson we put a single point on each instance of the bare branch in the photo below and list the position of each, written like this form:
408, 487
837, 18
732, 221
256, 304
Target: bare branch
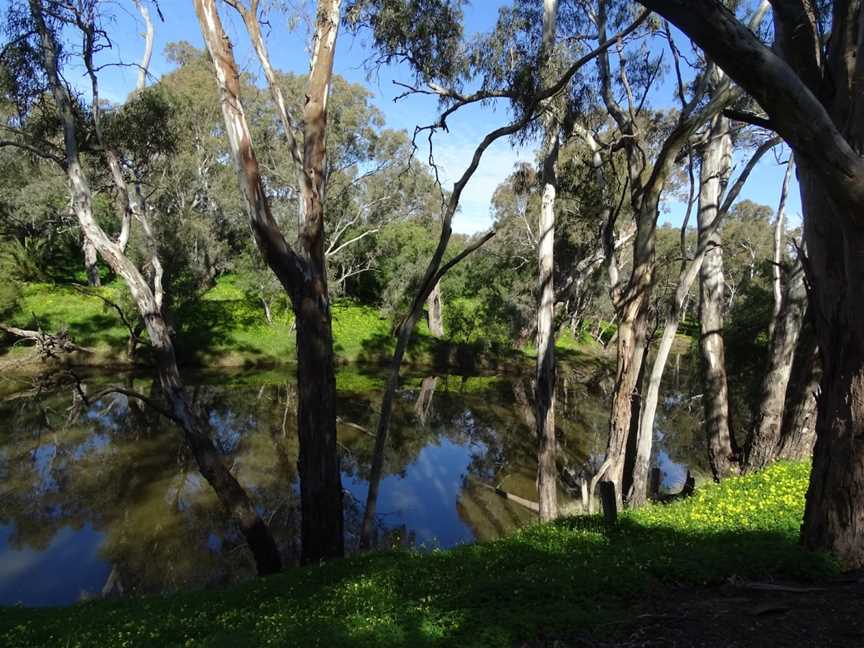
350, 241
148, 44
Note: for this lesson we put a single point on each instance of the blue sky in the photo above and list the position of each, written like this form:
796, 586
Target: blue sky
288, 49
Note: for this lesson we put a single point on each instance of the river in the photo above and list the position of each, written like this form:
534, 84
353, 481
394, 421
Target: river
103, 499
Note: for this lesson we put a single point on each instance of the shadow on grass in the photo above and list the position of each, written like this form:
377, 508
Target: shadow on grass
572, 576
208, 327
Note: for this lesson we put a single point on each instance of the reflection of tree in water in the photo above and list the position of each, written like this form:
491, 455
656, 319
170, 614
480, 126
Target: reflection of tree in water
133, 480
126, 472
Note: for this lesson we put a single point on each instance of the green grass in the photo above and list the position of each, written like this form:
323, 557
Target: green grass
573, 575
54, 307
225, 328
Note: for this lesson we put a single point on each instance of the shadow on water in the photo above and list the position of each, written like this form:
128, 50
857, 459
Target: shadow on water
104, 500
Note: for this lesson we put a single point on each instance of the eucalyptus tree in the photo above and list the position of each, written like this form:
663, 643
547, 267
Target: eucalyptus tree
821, 122
45, 21
715, 168
427, 36
765, 439
651, 149
301, 269
544, 387
690, 267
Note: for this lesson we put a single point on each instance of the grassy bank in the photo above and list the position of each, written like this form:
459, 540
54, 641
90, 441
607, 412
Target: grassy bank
227, 329
544, 580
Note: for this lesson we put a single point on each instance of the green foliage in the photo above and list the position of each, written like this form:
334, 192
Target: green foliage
426, 33
405, 249
470, 321
555, 578
20, 261
144, 126
10, 298
746, 338
89, 321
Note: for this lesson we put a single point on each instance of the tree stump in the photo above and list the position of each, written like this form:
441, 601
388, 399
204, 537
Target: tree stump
610, 506
654, 484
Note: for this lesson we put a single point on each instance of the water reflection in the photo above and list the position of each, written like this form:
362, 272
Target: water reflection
104, 500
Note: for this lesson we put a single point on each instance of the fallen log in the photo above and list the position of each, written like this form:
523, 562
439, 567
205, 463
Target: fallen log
533, 506
49, 345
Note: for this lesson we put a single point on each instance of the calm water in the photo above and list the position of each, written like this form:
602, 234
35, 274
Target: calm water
104, 500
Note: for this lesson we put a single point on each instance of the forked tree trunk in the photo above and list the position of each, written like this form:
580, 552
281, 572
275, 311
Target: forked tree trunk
228, 490
763, 444
676, 310
434, 313
301, 273
812, 93
790, 297
435, 270
716, 162
646, 184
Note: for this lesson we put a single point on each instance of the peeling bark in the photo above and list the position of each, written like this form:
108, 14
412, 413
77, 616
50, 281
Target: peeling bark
812, 94
302, 273
228, 490
716, 164
434, 315
763, 445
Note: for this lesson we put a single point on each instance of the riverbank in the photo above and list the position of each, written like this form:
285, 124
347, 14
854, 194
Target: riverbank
573, 580
226, 329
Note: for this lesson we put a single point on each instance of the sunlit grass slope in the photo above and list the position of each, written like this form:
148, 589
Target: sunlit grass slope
574, 575
227, 328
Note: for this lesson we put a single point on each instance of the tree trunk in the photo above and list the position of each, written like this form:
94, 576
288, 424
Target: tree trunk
423, 406
302, 273
547, 471
434, 314
677, 309
228, 490
148, 44
91, 263
716, 161
763, 445
812, 93
776, 275
632, 337
318, 464
834, 513
798, 430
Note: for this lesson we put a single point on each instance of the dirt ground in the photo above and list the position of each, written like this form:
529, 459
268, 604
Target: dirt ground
741, 614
